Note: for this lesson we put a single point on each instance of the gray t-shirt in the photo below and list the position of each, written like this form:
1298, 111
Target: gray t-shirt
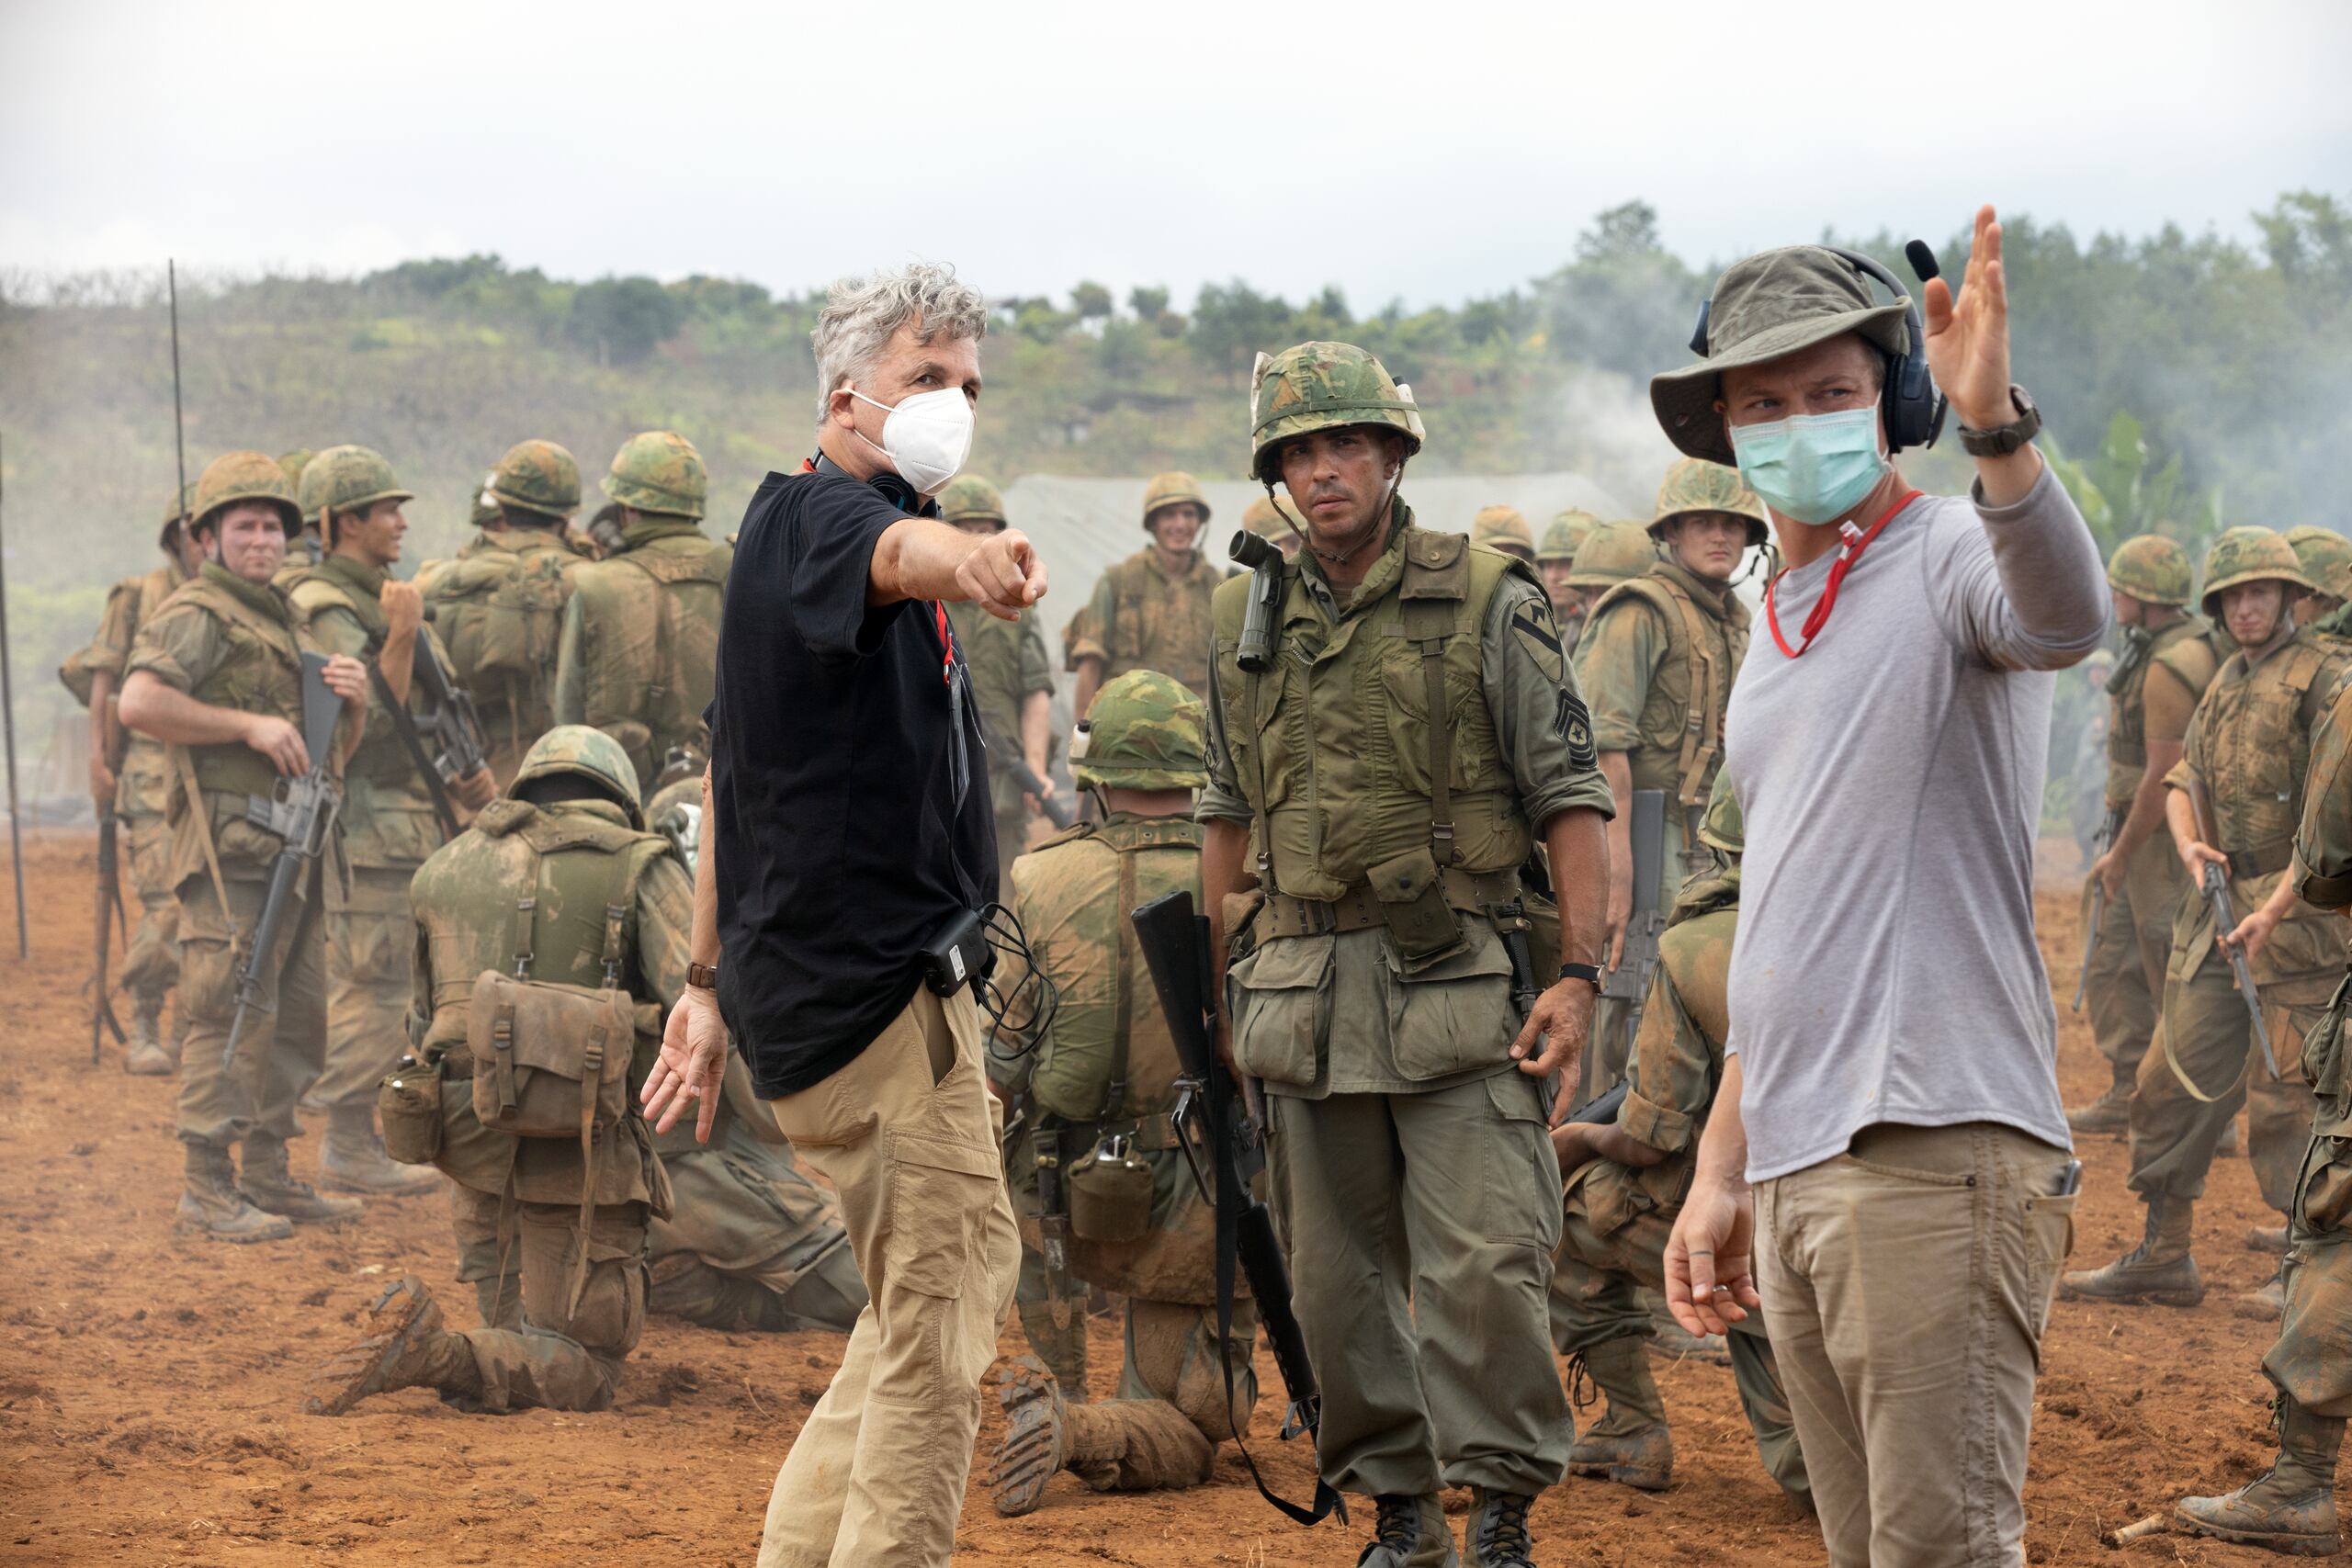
1891, 781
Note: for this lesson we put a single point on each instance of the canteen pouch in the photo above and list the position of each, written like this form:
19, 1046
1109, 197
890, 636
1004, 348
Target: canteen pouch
408, 1102
1413, 906
1111, 1194
550, 1061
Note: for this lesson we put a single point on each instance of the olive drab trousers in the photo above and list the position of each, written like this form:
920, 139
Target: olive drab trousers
531, 1352
152, 966
909, 1135
751, 1242
2127, 976
284, 1040
371, 982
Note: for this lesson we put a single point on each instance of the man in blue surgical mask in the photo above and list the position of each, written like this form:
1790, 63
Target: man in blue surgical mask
1886, 1172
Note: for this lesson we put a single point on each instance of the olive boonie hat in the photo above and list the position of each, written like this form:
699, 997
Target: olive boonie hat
1763, 308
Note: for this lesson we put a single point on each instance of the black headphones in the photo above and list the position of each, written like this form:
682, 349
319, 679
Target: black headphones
890, 485
1910, 408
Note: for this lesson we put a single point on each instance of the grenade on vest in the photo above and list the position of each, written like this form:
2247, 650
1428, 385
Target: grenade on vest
301, 812
1255, 652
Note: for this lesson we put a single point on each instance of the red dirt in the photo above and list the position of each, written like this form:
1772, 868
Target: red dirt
150, 1385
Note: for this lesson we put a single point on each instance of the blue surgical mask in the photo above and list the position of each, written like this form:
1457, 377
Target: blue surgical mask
1814, 468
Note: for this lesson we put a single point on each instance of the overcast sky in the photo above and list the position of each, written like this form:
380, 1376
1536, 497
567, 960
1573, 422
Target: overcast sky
1428, 150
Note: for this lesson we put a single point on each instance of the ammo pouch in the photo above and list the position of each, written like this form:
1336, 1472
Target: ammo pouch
1414, 906
1110, 1192
550, 1061
408, 1101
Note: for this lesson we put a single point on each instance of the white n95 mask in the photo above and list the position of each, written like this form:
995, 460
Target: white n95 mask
926, 436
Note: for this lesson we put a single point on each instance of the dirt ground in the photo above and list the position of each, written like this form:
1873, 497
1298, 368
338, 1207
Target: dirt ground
151, 1384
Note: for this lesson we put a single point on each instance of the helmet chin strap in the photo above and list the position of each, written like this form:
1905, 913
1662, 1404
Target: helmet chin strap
1371, 530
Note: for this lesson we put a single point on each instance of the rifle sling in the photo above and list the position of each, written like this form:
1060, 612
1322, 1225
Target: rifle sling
192, 797
404, 725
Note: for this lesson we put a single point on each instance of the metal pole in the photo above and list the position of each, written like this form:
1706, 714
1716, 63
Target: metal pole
8, 726
179, 440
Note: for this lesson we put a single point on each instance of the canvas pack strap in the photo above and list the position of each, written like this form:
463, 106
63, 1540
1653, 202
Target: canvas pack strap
1428, 625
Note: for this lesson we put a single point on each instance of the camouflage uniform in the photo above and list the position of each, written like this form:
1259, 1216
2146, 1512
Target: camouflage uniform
151, 966
388, 829
233, 643
1141, 618
1619, 1218
1657, 663
1008, 663
2293, 1507
1406, 1151
640, 635
2247, 746
500, 603
2152, 691
1504, 528
1105, 1070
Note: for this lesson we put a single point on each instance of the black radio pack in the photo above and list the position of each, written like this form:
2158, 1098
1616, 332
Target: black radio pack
958, 955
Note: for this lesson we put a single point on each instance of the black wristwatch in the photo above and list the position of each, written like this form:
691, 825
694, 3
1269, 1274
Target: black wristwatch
2007, 438
1589, 973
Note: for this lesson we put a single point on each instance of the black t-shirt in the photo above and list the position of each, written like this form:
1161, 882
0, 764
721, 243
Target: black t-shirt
839, 845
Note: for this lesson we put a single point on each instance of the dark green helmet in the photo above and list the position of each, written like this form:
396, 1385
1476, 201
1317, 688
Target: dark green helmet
1611, 553
658, 471
2249, 555
538, 476
2151, 568
244, 475
1144, 730
583, 753
1566, 535
1323, 385
346, 478
971, 499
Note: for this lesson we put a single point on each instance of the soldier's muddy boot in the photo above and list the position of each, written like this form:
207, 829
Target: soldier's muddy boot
2292, 1509
2267, 1304
1630, 1444
2109, 1114
1495, 1534
2266, 1238
1036, 1436
2159, 1270
405, 1347
1061, 1347
353, 1159
1676, 1342
1410, 1532
143, 1055
268, 1183
212, 1205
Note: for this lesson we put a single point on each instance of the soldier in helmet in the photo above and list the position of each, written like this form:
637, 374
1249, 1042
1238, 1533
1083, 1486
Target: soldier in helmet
557, 883
1151, 610
1555, 561
1625, 1182
1099, 1087
1012, 679
127, 777
499, 604
304, 549
2293, 1508
215, 677
641, 633
1655, 662
2169, 658
1609, 554
2325, 557
1415, 735
1272, 519
1504, 528
351, 603
2247, 750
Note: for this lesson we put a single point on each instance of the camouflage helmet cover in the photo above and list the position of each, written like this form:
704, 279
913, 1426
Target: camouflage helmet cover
1172, 489
971, 499
2249, 555
1613, 552
1693, 484
244, 475
2151, 568
658, 471
1323, 385
1144, 730
2325, 555
1503, 528
293, 463
347, 478
1270, 517
538, 476
586, 753
1722, 827
1566, 535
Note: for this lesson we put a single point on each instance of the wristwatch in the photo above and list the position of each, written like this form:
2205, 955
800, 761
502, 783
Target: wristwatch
1589, 973
703, 976
2007, 438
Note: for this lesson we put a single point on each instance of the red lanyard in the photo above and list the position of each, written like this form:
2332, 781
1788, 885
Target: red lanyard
1857, 541
946, 644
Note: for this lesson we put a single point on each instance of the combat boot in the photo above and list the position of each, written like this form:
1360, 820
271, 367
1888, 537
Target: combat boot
2109, 1114
405, 1347
1673, 1340
1410, 1532
269, 1184
353, 1160
212, 1204
1495, 1534
1061, 1346
1630, 1444
1036, 1436
2266, 1238
2292, 1509
143, 1055
2267, 1304
2158, 1271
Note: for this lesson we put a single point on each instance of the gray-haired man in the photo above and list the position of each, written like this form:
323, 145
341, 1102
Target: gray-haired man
828, 866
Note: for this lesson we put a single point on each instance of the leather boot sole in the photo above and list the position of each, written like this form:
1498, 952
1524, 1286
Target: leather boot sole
2289, 1545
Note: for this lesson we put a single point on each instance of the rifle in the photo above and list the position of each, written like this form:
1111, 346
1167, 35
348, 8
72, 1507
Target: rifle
460, 746
2100, 843
1060, 810
2216, 888
1512, 925
109, 904
1629, 983
301, 812
1175, 945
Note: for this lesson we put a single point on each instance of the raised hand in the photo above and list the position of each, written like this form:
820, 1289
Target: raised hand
1968, 338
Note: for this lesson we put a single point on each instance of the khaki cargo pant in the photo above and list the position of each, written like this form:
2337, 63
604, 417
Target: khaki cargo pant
1906, 1283
285, 1037
908, 1134
1421, 1229
546, 1358
751, 1242
371, 979
2127, 977
152, 966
